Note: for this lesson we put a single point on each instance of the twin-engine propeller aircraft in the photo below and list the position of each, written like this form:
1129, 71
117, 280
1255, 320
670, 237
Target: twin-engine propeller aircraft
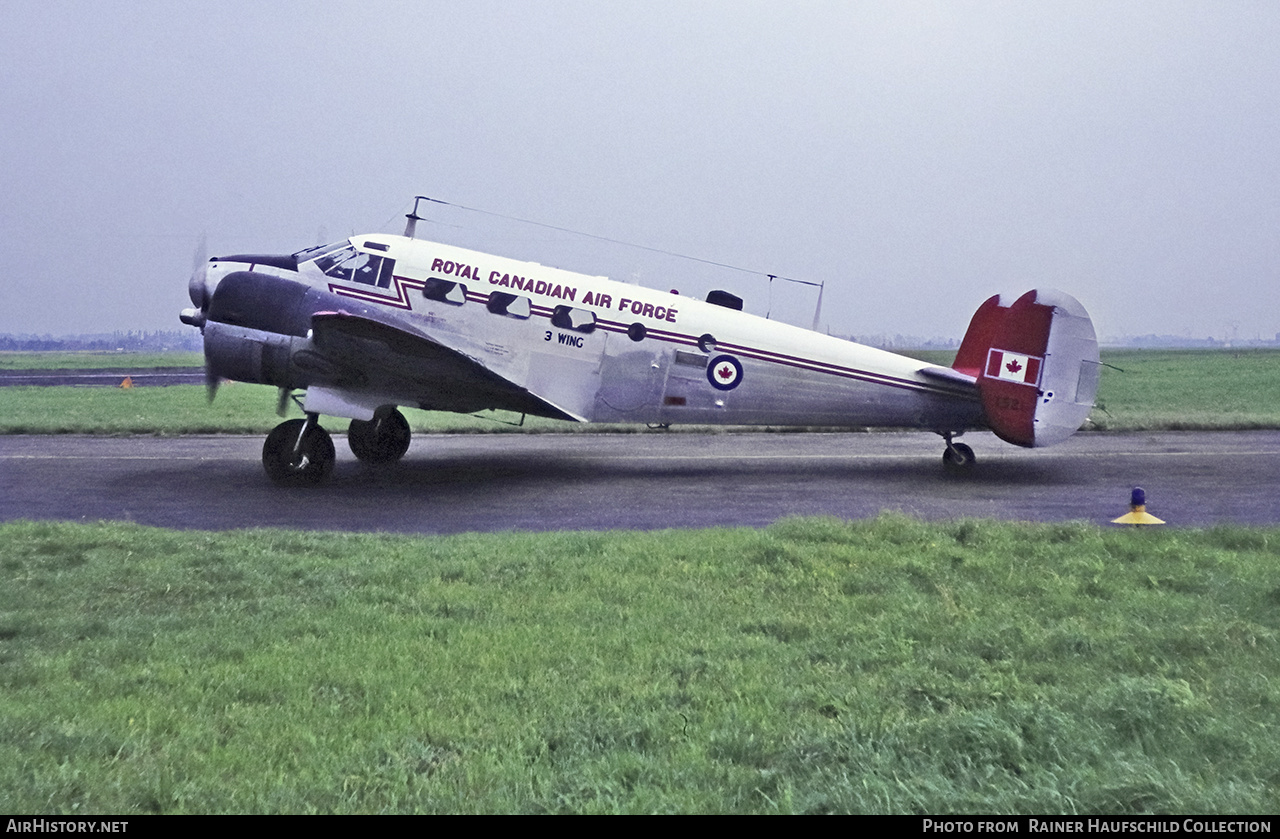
378, 322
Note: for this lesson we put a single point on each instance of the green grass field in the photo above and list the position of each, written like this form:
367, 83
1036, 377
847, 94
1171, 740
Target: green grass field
1144, 390
185, 409
1140, 390
1189, 389
90, 360
886, 666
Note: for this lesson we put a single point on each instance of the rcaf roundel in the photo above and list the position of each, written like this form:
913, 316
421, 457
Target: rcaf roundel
724, 372
1013, 367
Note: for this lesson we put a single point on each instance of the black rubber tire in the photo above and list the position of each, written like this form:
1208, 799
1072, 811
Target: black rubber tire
314, 460
958, 458
380, 440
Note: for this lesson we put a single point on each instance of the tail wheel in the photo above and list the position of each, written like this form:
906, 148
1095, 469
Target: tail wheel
382, 439
958, 458
290, 461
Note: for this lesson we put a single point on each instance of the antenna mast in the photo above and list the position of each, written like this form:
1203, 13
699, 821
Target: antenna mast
412, 225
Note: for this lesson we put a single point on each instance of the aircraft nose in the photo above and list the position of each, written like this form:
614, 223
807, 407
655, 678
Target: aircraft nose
200, 289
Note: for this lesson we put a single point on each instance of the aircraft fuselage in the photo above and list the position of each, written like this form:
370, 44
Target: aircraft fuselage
381, 321
596, 349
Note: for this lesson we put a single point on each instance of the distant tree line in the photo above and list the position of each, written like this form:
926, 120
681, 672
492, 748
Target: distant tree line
1176, 342
885, 341
132, 341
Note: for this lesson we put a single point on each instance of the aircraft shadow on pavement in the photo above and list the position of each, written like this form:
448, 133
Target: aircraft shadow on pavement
412, 473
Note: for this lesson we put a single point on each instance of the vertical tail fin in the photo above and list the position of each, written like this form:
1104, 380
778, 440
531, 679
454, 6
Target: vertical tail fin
1036, 362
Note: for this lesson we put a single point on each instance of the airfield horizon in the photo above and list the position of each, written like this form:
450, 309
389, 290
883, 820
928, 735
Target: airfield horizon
1140, 390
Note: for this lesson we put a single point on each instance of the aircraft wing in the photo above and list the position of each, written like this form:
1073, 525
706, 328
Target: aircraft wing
362, 354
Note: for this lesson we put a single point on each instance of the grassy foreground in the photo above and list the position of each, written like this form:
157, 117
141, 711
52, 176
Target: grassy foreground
1140, 390
815, 666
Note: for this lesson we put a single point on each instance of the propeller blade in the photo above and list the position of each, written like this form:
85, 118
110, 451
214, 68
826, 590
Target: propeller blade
201, 255
195, 286
282, 402
211, 382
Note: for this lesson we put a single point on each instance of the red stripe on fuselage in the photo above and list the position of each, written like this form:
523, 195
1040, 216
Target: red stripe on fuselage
402, 285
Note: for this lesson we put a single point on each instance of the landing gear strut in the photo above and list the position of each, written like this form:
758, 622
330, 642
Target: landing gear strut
957, 458
383, 439
298, 453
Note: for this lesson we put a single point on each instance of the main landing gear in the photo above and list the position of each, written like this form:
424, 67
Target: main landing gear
300, 453
957, 458
383, 439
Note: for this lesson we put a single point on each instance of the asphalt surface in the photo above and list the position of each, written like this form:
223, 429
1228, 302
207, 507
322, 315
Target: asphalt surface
535, 482
103, 377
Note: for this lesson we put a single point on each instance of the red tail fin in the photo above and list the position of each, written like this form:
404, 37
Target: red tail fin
972, 357
1036, 362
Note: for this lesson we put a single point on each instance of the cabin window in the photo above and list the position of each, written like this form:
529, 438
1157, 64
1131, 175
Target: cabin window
352, 266
579, 320
707, 342
637, 331
511, 305
446, 291
691, 359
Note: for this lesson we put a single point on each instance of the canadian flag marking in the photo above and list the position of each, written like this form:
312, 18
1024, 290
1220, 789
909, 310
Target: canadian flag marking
1013, 367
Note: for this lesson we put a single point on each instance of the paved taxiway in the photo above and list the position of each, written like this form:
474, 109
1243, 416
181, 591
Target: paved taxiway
102, 377
454, 483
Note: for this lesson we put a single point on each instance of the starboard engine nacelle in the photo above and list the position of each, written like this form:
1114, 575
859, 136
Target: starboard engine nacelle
1036, 364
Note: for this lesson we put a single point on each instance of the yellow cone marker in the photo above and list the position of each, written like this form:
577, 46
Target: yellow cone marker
127, 383
1137, 510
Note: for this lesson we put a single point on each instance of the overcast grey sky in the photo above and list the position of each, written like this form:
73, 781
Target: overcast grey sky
916, 157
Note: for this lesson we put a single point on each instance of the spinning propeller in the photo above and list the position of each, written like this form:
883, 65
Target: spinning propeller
199, 294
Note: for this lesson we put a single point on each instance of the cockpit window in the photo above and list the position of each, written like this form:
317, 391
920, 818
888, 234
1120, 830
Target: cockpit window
308, 254
349, 265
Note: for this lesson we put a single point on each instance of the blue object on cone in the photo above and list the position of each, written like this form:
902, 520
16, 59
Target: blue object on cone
1137, 510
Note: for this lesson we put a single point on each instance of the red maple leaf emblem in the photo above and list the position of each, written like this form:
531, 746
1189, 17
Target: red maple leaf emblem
1013, 366
725, 372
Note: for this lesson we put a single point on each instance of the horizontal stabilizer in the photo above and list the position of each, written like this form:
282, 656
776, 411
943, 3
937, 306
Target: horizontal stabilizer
946, 374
